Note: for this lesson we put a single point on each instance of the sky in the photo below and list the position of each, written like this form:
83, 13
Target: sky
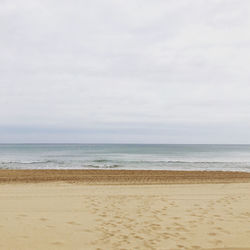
116, 71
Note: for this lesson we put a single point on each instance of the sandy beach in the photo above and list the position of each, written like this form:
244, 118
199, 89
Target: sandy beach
103, 209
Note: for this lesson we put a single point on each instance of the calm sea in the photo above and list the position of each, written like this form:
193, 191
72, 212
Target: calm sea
125, 156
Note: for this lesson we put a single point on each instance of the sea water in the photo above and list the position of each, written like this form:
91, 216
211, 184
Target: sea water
125, 156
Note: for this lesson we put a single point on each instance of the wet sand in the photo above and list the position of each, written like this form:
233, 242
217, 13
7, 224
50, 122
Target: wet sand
123, 176
106, 210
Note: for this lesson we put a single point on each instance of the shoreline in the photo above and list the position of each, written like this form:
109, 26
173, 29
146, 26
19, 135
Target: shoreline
124, 177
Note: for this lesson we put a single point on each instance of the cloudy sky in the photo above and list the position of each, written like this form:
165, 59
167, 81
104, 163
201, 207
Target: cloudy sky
139, 71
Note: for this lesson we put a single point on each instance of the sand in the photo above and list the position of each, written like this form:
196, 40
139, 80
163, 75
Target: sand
120, 210
128, 177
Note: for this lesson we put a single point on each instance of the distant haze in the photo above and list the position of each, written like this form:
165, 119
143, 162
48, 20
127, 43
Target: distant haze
159, 71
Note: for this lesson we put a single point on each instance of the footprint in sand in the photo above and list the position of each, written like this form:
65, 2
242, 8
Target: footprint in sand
57, 243
22, 215
176, 218
24, 237
196, 247
215, 242
49, 226
183, 238
73, 223
212, 234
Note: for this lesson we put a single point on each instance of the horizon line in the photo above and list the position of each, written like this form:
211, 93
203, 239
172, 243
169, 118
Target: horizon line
118, 143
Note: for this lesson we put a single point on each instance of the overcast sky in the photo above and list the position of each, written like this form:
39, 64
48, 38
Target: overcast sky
140, 71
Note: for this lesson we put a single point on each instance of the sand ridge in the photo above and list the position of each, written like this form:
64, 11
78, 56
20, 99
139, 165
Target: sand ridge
123, 176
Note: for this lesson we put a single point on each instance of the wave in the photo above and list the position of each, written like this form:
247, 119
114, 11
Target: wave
30, 162
205, 162
102, 160
117, 162
103, 166
170, 161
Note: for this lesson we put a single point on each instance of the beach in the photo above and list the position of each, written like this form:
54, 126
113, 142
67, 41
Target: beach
111, 209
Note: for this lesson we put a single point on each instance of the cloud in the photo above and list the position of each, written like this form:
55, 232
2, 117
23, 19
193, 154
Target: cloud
124, 69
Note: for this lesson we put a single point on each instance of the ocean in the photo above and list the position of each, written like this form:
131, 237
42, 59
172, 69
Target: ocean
125, 156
